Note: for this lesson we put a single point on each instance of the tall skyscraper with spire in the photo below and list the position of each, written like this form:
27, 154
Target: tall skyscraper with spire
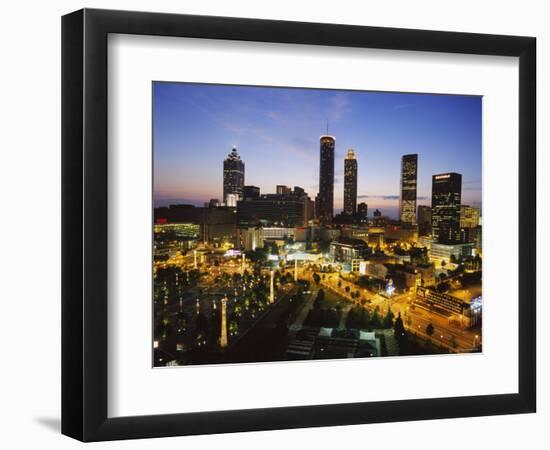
325, 198
350, 184
407, 197
233, 178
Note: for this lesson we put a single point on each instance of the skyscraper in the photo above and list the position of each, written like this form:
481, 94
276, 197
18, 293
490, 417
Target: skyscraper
233, 178
407, 198
325, 207
446, 196
350, 184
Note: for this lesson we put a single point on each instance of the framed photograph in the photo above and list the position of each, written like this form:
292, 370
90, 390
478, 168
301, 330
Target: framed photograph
273, 224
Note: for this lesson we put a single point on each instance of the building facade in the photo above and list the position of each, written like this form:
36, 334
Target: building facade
345, 250
424, 220
250, 238
350, 184
407, 197
362, 213
469, 216
446, 196
292, 209
325, 198
251, 192
233, 178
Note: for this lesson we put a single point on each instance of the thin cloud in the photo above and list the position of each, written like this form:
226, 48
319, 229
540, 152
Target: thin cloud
390, 197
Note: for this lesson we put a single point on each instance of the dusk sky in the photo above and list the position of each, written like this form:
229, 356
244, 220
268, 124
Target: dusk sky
276, 131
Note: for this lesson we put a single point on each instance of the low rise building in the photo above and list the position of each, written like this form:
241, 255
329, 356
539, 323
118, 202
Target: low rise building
250, 238
345, 250
447, 252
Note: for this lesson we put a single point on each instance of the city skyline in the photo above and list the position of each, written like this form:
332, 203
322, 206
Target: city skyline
454, 121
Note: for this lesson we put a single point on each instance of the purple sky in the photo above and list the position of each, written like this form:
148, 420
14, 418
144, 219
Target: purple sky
277, 134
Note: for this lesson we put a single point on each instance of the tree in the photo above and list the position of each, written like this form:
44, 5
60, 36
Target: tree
375, 320
388, 320
401, 335
316, 278
430, 329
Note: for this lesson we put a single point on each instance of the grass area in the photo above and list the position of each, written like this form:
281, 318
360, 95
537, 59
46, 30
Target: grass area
331, 300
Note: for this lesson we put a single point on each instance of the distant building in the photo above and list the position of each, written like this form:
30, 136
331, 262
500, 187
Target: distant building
471, 236
401, 232
362, 212
449, 252
427, 275
278, 233
292, 209
356, 232
378, 220
233, 178
424, 220
282, 190
219, 226
251, 192
250, 238
469, 216
350, 184
325, 198
345, 250
446, 196
447, 305
407, 197
178, 214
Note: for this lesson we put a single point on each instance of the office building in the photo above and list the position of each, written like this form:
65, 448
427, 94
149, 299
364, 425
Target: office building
407, 197
345, 250
282, 189
325, 198
450, 252
469, 216
251, 192
293, 209
250, 238
350, 184
446, 196
424, 220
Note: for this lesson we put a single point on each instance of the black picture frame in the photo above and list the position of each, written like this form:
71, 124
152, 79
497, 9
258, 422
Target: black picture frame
84, 224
